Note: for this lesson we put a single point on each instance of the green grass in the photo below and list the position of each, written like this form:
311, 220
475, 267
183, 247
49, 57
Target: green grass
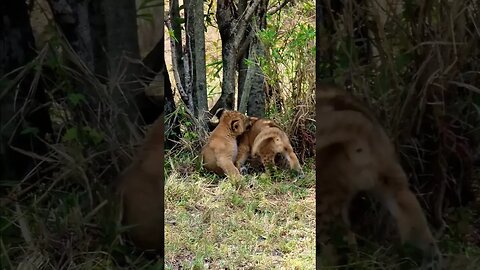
268, 222
259, 222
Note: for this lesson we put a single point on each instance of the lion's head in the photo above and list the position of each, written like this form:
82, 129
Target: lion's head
235, 121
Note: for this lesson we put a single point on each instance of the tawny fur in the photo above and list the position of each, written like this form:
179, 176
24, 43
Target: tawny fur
270, 141
245, 141
220, 151
141, 187
355, 154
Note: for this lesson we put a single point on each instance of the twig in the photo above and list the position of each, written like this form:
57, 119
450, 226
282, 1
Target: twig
278, 8
241, 25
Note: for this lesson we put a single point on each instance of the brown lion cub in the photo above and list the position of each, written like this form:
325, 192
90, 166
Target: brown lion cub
265, 139
140, 187
355, 154
221, 149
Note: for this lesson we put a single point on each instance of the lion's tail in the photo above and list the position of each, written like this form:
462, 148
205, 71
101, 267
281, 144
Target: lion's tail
271, 133
341, 126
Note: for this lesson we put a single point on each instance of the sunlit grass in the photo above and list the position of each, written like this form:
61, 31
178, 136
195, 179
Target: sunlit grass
261, 222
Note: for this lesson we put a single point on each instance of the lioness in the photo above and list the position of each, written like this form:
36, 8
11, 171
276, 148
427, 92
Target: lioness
355, 154
220, 151
265, 139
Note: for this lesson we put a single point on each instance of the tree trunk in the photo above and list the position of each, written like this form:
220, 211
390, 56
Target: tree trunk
189, 60
122, 44
256, 100
200, 68
145, 106
98, 32
327, 12
227, 97
243, 53
242, 74
73, 18
225, 18
22, 109
196, 55
252, 81
121, 25
232, 26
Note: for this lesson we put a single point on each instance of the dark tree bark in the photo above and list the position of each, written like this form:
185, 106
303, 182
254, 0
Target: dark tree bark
85, 28
327, 12
21, 107
226, 16
122, 45
242, 54
98, 33
115, 43
232, 27
189, 55
251, 84
195, 52
199, 62
251, 78
121, 25
256, 100
73, 18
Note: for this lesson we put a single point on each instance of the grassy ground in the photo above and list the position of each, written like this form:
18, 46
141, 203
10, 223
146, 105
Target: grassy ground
268, 222
260, 222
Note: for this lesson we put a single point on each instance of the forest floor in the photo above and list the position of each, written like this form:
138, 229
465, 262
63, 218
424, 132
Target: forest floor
267, 221
259, 222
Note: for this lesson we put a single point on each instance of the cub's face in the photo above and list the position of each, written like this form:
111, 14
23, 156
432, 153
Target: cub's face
237, 122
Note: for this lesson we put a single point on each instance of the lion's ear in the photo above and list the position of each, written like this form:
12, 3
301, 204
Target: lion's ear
219, 112
213, 123
215, 120
252, 119
235, 125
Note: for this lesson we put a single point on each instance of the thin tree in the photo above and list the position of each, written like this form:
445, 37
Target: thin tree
195, 43
188, 56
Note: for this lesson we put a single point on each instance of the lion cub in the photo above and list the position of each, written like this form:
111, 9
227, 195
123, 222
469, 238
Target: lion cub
140, 186
355, 154
220, 152
265, 139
